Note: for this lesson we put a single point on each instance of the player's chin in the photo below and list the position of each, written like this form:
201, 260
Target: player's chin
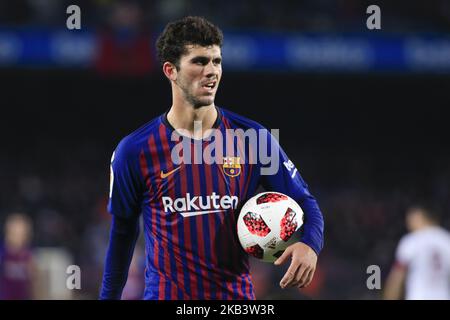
206, 100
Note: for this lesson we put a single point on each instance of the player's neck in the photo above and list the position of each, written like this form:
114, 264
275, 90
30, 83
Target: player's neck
425, 226
183, 116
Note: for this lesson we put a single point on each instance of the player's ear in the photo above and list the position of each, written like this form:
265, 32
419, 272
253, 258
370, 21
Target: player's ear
170, 70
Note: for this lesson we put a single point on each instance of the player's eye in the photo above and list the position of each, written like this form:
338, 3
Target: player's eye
217, 61
200, 61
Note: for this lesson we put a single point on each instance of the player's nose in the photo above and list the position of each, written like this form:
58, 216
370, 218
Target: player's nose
211, 70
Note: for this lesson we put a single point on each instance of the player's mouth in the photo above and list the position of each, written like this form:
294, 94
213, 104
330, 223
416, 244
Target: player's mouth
209, 86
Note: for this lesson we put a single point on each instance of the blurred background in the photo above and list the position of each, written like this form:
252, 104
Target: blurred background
360, 112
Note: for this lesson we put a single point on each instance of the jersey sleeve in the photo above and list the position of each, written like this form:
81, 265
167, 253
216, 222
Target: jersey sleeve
126, 183
287, 179
404, 252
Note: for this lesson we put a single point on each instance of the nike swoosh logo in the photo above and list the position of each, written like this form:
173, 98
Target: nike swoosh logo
198, 213
165, 175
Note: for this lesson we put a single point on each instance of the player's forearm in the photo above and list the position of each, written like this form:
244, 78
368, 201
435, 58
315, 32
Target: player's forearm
394, 284
124, 233
313, 226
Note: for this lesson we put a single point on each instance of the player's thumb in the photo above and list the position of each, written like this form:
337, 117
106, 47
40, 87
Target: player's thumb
282, 259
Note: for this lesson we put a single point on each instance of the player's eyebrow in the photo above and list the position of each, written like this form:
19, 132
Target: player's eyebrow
205, 59
202, 59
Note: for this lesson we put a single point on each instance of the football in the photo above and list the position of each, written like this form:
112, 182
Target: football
267, 223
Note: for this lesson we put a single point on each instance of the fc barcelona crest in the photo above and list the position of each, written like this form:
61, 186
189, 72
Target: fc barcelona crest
231, 166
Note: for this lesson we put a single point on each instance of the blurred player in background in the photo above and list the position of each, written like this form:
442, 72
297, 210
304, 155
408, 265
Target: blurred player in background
190, 209
16, 262
422, 267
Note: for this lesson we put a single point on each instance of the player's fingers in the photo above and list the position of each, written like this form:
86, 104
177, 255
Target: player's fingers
282, 259
301, 274
287, 279
308, 279
290, 274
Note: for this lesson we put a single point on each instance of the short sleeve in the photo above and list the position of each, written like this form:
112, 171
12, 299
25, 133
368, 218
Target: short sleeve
404, 251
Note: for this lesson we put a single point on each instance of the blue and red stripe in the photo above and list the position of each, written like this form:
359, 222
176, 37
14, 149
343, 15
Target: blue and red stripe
156, 219
178, 285
196, 257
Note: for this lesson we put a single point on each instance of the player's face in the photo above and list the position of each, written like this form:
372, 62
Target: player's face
199, 74
17, 233
414, 219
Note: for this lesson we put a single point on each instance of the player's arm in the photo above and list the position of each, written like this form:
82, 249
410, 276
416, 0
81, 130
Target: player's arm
123, 237
394, 286
126, 189
303, 254
393, 289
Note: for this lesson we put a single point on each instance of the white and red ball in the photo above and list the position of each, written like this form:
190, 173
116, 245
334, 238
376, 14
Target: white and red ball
267, 225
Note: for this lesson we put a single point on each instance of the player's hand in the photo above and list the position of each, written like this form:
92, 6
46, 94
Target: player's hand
303, 265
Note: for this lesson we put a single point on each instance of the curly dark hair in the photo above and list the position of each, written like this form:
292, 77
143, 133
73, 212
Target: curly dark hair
171, 44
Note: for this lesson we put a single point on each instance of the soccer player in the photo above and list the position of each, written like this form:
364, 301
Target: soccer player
190, 209
17, 267
422, 267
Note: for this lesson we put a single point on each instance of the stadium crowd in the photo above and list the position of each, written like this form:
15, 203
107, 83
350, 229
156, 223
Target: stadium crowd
286, 15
